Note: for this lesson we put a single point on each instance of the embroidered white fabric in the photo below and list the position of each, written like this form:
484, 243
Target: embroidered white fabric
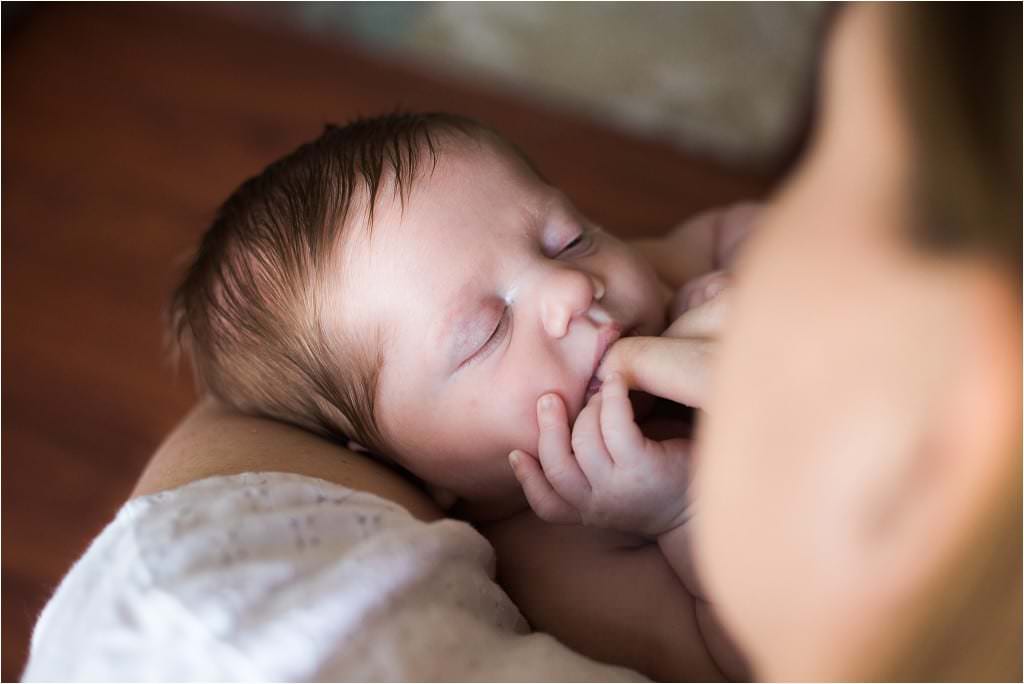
275, 576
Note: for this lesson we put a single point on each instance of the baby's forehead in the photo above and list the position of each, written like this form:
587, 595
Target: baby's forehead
428, 245
479, 187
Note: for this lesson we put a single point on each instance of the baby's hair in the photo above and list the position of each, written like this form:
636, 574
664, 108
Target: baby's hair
249, 307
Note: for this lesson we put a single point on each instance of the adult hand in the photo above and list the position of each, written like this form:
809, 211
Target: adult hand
677, 365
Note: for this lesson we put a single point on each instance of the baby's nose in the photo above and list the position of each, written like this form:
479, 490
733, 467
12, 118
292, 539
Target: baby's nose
567, 295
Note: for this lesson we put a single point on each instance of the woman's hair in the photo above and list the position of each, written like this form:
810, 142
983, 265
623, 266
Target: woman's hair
959, 70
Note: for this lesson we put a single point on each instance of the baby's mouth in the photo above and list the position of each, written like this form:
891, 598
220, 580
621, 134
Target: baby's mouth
594, 386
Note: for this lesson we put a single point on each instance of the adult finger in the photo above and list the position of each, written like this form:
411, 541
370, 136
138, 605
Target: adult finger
554, 450
673, 368
541, 496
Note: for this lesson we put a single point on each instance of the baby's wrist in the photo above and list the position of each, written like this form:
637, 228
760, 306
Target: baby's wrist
673, 531
653, 524
673, 526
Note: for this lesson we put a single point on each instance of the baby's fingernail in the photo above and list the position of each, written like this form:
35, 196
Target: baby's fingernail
515, 458
546, 403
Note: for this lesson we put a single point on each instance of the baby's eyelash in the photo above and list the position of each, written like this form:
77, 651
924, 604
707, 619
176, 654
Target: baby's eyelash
581, 243
500, 331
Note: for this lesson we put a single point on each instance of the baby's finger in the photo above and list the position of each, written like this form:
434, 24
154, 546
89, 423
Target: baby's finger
622, 435
587, 443
542, 497
554, 451
672, 368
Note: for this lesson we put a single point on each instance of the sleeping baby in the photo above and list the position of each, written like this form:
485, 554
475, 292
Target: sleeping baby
411, 283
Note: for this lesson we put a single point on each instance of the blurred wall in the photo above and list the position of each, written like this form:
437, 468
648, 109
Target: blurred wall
728, 80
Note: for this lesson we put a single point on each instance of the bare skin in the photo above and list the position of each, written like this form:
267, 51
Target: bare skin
580, 584
214, 440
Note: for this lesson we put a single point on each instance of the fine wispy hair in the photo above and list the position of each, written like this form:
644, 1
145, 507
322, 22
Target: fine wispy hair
249, 310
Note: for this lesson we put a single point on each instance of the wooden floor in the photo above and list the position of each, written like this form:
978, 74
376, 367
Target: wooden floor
123, 128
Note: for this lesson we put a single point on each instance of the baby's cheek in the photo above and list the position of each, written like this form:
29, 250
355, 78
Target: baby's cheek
532, 369
513, 415
644, 297
529, 436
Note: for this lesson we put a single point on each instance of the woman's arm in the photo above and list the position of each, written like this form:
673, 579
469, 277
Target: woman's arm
214, 440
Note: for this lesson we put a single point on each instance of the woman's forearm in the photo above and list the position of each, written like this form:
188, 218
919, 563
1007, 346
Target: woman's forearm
213, 440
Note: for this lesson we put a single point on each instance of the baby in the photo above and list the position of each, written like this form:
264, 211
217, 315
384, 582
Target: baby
410, 282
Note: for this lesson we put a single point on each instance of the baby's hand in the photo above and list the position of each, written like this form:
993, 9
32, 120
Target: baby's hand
710, 241
732, 227
607, 474
698, 292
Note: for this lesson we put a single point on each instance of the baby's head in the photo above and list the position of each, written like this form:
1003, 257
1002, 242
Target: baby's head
411, 282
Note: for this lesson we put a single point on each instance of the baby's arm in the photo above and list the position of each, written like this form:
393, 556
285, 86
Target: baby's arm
609, 477
608, 595
606, 473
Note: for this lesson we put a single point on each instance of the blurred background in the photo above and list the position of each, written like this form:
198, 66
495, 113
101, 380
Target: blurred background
723, 79
125, 125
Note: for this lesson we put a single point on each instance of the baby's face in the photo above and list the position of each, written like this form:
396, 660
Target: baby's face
490, 289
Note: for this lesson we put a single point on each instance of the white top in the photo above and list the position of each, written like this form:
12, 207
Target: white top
274, 576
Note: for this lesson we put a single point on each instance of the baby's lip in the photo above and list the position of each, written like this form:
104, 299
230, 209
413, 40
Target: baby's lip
606, 336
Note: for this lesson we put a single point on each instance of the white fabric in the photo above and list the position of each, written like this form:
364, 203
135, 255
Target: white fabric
273, 576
